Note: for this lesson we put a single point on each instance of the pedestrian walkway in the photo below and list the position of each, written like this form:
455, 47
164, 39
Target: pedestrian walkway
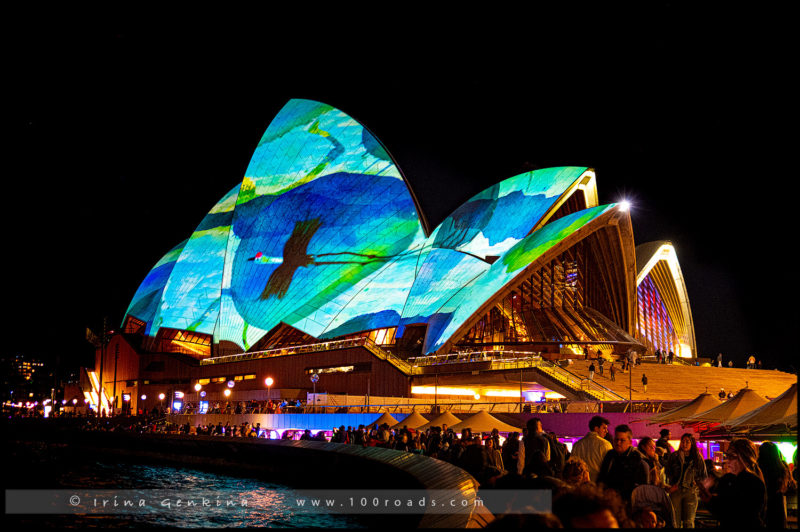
670, 382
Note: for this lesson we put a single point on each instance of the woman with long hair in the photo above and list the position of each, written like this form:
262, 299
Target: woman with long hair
741, 497
683, 469
778, 480
647, 446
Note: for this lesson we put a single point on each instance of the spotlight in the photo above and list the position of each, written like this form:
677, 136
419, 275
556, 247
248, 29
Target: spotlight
624, 205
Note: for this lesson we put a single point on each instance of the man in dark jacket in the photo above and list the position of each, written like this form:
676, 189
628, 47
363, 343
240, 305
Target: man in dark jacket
663, 441
537, 449
623, 467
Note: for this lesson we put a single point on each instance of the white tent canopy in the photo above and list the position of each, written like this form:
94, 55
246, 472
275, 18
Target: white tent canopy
483, 421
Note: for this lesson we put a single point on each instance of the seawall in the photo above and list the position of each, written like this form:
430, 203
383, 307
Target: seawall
298, 464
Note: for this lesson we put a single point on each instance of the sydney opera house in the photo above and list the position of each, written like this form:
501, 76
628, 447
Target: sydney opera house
321, 262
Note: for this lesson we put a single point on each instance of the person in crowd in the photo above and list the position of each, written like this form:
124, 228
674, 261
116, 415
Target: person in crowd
593, 447
401, 442
645, 518
591, 371
418, 443
612, 372
647, 446
600, 363
558, 454
778, 480
644, 382
536, 444
513, 454
623, 467
740, 500
684, 468
663, 441
589, 506
494, 457
576, 472
434, 442
495, 435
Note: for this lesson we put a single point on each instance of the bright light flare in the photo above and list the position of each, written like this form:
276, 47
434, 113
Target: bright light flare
625, 205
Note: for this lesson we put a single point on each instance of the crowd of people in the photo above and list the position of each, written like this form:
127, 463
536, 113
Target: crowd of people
604, 481
607, 481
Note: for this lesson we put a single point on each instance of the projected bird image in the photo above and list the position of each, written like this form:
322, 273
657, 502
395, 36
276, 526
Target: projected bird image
295, 255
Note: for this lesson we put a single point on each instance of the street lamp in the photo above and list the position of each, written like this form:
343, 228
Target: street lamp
268, 381
161, 398
197, 388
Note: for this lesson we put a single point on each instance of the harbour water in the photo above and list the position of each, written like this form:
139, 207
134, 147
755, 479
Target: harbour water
265, 504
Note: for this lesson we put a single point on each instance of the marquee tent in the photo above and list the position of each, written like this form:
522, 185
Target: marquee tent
413, 421
483, 421
779, 408
744, 401
385, 418
445, 418
703, 402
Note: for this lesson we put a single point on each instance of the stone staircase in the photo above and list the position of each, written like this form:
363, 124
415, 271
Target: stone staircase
678, 382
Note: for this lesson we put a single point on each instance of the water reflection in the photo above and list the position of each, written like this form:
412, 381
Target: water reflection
267, 505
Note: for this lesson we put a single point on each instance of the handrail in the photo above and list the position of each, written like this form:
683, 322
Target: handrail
414, 365
596, 390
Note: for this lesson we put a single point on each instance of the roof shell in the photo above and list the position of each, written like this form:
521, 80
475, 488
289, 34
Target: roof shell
324, 234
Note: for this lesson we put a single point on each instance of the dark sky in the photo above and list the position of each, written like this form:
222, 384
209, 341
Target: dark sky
123, 137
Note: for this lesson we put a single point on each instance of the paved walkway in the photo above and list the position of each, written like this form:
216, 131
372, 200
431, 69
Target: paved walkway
665, 381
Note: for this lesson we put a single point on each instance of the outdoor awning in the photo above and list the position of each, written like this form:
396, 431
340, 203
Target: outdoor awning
703, 402
744, 401
483, 421
444, 419
783, 427
779, 408
385, 418
413, 421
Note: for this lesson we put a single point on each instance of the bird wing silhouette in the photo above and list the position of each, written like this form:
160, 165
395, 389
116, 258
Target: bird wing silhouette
294, 256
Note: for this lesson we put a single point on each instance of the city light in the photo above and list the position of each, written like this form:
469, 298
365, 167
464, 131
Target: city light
268, 381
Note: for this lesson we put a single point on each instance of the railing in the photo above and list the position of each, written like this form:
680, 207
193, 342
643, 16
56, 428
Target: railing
500, 360
465, 406
576, 382
472, 356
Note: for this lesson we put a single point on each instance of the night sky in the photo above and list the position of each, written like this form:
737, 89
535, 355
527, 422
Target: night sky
122, 139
